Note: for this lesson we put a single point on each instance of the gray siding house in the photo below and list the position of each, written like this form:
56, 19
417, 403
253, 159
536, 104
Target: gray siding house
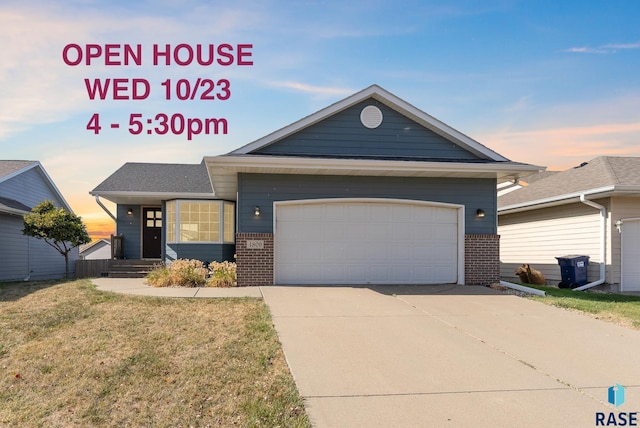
370, 190
591, 210
23, 185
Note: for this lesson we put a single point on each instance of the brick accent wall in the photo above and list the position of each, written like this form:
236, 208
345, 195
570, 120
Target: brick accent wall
482, 259
254, 266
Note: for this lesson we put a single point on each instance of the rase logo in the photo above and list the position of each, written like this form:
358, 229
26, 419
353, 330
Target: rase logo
616, 397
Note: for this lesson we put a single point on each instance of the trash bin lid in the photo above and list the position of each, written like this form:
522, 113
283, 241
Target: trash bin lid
573, 256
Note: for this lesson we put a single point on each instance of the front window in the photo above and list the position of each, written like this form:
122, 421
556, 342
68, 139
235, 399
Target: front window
200, 221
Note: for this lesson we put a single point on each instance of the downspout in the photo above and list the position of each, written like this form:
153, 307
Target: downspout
105, 208
603, 225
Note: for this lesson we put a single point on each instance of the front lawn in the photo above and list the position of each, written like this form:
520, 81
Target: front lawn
71, 355
617, 308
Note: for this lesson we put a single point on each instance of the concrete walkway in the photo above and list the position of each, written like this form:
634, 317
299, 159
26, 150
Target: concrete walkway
138, 287
449, 356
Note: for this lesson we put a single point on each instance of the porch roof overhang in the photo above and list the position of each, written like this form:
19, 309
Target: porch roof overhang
147, 198
223, 170
568, 198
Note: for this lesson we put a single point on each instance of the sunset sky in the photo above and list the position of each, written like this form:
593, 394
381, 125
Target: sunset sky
552, 83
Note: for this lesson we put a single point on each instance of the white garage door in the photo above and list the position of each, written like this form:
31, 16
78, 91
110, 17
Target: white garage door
631, 255
367, 242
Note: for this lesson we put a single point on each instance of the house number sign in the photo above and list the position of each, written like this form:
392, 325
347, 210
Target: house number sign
255, 245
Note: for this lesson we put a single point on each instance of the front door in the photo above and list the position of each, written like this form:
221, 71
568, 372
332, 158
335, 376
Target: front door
151, 233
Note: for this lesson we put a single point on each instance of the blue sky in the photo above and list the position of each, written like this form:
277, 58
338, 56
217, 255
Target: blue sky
544, 82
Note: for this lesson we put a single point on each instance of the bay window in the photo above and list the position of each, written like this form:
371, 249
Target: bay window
200, 221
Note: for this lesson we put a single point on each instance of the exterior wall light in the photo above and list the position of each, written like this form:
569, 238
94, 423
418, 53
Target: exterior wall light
130, 212
480, 213
256, 211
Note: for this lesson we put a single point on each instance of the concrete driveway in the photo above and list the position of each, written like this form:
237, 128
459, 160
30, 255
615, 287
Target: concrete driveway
449, 356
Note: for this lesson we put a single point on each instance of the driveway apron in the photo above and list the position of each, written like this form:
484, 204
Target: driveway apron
449, 356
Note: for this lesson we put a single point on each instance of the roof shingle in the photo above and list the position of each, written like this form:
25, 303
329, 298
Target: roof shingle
604, 171
158, 178
10, 166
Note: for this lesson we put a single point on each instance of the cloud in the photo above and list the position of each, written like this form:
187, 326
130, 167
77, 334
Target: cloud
604, 49
623, 46
316, 90
562, 147
587, 50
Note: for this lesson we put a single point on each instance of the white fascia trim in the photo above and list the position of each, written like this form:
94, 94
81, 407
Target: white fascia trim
557, 200
386, 98
13, 211
243, 162
55, 188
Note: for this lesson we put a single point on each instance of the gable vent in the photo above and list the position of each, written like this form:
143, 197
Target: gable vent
371, 117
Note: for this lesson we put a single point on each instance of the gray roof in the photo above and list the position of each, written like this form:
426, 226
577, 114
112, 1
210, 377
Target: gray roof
157, 178
7, 204
8, 167
601, 172
539, 176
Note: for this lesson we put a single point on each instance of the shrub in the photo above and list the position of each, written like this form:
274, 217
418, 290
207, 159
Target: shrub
182, 273
222, 274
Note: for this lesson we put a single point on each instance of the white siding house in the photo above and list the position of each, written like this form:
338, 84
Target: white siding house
96, 250
547, 219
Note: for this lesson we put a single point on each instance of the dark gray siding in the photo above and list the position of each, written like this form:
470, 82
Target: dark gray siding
203, 252
263, 189
344, 135
131, 228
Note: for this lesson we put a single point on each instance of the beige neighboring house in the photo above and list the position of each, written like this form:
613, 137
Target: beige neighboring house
591, 210
96, 250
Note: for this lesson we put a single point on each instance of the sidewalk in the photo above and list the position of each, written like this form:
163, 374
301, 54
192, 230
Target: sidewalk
138, 287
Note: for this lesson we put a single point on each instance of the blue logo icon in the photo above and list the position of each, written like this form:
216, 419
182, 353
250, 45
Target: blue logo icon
616, 395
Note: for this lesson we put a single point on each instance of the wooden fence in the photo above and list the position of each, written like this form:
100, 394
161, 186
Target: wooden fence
92, 268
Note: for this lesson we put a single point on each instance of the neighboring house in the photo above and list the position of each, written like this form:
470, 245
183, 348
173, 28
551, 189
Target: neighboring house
96, 250
548, 219
23, 185
370, 190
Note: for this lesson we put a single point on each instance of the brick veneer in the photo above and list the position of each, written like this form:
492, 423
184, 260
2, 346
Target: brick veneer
482, 259
254, 266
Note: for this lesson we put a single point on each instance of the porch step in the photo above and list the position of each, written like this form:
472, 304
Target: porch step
131, 268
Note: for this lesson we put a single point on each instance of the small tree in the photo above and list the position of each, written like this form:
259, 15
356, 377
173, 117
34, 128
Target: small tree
59, 228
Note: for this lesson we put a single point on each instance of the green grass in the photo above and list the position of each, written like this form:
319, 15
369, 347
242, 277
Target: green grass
71, 355
622, 309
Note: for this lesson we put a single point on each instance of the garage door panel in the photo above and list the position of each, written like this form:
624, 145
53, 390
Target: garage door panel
365, 242
401, 214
